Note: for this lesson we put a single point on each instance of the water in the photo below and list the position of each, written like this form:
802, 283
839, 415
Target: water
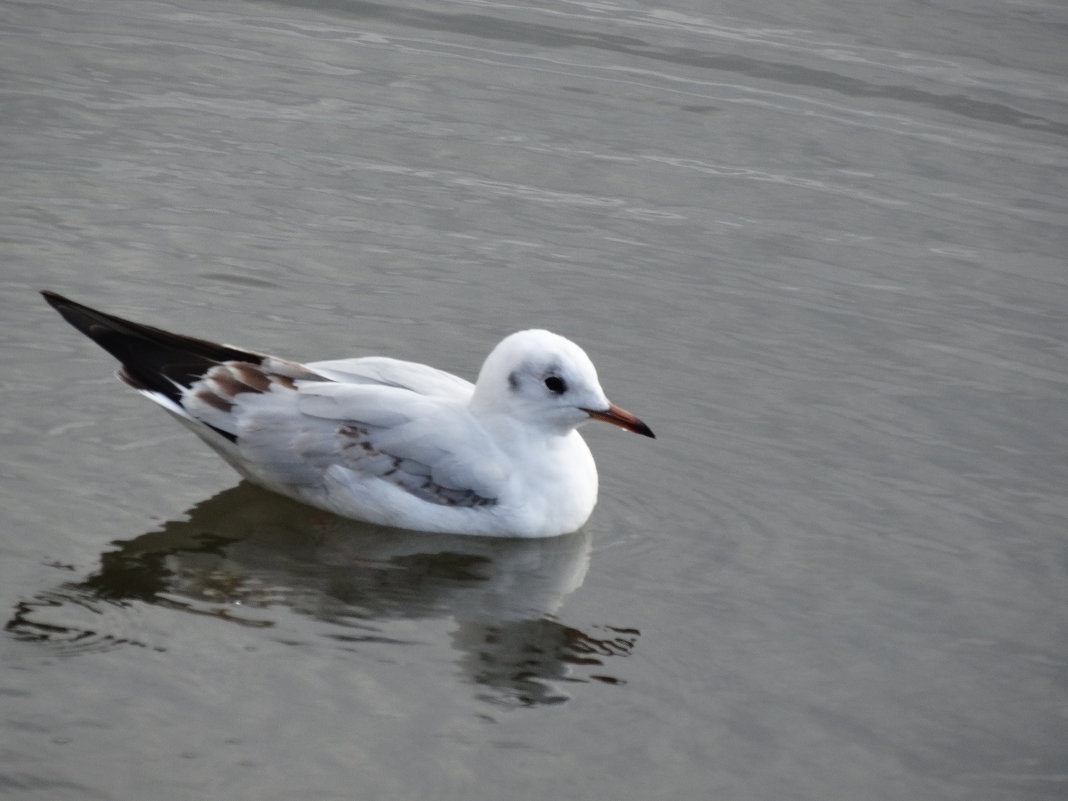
819, 247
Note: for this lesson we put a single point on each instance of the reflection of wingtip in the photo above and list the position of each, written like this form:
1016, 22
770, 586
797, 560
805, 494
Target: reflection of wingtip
54, 619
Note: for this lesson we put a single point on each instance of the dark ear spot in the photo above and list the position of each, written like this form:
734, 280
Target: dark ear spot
513, 381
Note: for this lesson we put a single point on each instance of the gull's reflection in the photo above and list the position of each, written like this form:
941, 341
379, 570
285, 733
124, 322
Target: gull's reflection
246, 551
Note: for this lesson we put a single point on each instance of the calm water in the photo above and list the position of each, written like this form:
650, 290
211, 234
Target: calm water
818, 246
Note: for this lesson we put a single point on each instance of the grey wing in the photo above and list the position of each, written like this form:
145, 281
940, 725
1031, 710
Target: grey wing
431, 447
419, 378
285, 426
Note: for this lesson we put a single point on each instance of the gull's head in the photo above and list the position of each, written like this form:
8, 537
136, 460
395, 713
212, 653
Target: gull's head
542, 379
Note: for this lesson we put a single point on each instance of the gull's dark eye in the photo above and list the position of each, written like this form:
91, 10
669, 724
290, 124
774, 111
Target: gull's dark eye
556, 385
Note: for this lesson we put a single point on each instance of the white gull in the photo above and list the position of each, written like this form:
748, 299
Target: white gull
387, 441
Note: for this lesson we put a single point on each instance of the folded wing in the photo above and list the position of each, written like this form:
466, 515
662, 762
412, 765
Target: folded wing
430, 446
288, 432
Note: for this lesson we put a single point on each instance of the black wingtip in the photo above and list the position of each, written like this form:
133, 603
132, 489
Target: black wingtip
151, 358
55, 300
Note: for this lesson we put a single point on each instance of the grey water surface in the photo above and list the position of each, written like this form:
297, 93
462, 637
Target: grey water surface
818, 246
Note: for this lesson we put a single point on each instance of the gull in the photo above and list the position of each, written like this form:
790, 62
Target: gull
382, 440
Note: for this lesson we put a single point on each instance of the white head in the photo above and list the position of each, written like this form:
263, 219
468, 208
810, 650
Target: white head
544, 380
